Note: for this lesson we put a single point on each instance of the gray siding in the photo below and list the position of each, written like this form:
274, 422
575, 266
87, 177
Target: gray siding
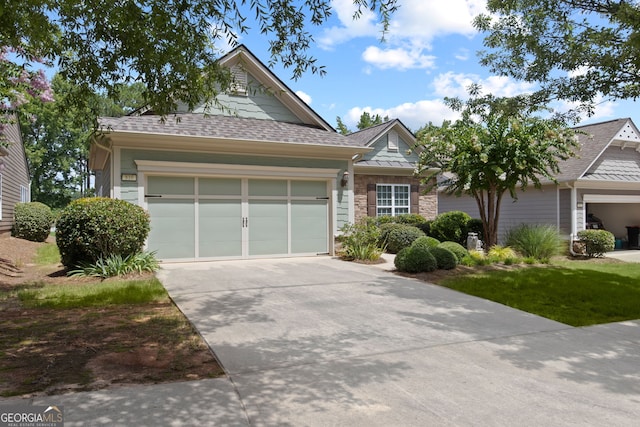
103, 180
565, 211
405, 152
15, 174
617, 163
531, 207
258, 103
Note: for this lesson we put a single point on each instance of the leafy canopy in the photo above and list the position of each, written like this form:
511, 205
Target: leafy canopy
576, 50
168, 45
497, 146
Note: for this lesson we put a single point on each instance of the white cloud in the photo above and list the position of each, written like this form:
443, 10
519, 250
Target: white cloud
462, 55
452, 84
401, 59
416, 22
413, 114
304, 96
603, 109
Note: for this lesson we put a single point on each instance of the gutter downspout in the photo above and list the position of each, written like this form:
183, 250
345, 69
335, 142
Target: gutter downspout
574, 216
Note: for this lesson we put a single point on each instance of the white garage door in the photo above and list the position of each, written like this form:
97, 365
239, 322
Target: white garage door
209, 218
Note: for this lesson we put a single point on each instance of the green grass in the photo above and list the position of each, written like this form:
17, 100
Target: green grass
570, 292
94, 295
47, 254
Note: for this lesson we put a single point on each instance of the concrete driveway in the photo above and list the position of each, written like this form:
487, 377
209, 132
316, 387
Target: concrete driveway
318, 341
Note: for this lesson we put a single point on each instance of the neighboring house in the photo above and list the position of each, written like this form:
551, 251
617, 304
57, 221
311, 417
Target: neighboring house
384, 179
603, 180
258, 174
14, 171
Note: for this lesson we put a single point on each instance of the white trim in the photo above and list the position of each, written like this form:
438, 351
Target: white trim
212, 169
609, 198
115, 173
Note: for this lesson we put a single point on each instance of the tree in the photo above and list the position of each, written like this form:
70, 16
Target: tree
366, 121
497, 146
168, 45
576, 50
55, 136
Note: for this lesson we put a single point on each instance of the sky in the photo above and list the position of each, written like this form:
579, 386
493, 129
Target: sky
429, 53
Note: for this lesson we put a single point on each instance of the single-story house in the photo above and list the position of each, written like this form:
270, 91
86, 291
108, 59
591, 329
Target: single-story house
257, 174
14, 171
598, 188
384, 178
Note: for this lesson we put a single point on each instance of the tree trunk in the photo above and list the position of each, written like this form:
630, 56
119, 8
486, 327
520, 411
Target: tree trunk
489, 207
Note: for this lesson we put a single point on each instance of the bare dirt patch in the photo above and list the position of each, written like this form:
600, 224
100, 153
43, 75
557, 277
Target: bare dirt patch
51, 351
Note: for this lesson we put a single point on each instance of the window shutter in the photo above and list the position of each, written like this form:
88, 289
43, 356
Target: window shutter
415, 199
371, 200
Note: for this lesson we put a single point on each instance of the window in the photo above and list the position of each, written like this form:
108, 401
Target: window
24, 194
392, 199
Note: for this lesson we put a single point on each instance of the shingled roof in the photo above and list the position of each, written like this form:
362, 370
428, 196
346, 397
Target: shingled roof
223, 127
593, 140
371, 134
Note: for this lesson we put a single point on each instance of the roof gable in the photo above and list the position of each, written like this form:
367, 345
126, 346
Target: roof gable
593, 140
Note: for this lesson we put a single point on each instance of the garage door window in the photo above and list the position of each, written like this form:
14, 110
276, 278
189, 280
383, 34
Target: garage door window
392, 199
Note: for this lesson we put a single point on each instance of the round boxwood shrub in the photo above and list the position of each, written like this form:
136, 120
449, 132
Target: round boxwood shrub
401, 237
32, 221
400, 260
459, 250
597, 242
92, 228
426, 241
445, 259
418, 260
450, 226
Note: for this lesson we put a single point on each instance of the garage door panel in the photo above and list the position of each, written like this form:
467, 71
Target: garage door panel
220, 228
172, 232
176, 186
268, 227
309, 227
308, 188
219, 186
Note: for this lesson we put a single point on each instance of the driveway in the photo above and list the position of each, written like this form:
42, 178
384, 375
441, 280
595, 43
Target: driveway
318, 341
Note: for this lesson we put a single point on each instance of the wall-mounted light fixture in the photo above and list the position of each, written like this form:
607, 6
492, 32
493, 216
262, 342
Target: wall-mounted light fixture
345, 179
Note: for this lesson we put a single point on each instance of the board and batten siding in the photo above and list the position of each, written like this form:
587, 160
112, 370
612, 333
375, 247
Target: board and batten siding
532, 207
15, 174
129, 191
257, 103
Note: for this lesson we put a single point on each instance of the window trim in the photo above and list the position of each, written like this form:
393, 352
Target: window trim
393, 205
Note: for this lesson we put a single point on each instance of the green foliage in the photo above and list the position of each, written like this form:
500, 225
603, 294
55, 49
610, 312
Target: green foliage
497, 147
450, 226
400, 261
47, 254
498, 253
32, 221
426, 241
445, 259
361, 241
408, 219
93, 228
474, 258
474, 225
456, 248
401, 237
117, 265
425, 227
597, 242
417, 259
592, 43
94, 295
170, 47
539, 241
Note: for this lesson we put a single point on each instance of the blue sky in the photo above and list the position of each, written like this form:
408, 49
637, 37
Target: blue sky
429, 53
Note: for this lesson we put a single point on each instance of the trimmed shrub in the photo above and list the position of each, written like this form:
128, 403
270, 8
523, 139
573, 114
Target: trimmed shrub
426, 241
425, 227
597, 242
96, 228
450, 226
474, 225
385, 229
401, 237
410, 219
32, 221
445, 259
540, 241
400, 260
418, 260
459, 250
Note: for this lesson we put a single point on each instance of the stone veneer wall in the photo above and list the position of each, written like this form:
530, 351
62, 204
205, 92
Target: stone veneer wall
428, 206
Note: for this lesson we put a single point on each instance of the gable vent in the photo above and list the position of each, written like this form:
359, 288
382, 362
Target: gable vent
392, 141
240, 81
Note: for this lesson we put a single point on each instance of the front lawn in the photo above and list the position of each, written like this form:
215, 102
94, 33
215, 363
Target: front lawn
577, 293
